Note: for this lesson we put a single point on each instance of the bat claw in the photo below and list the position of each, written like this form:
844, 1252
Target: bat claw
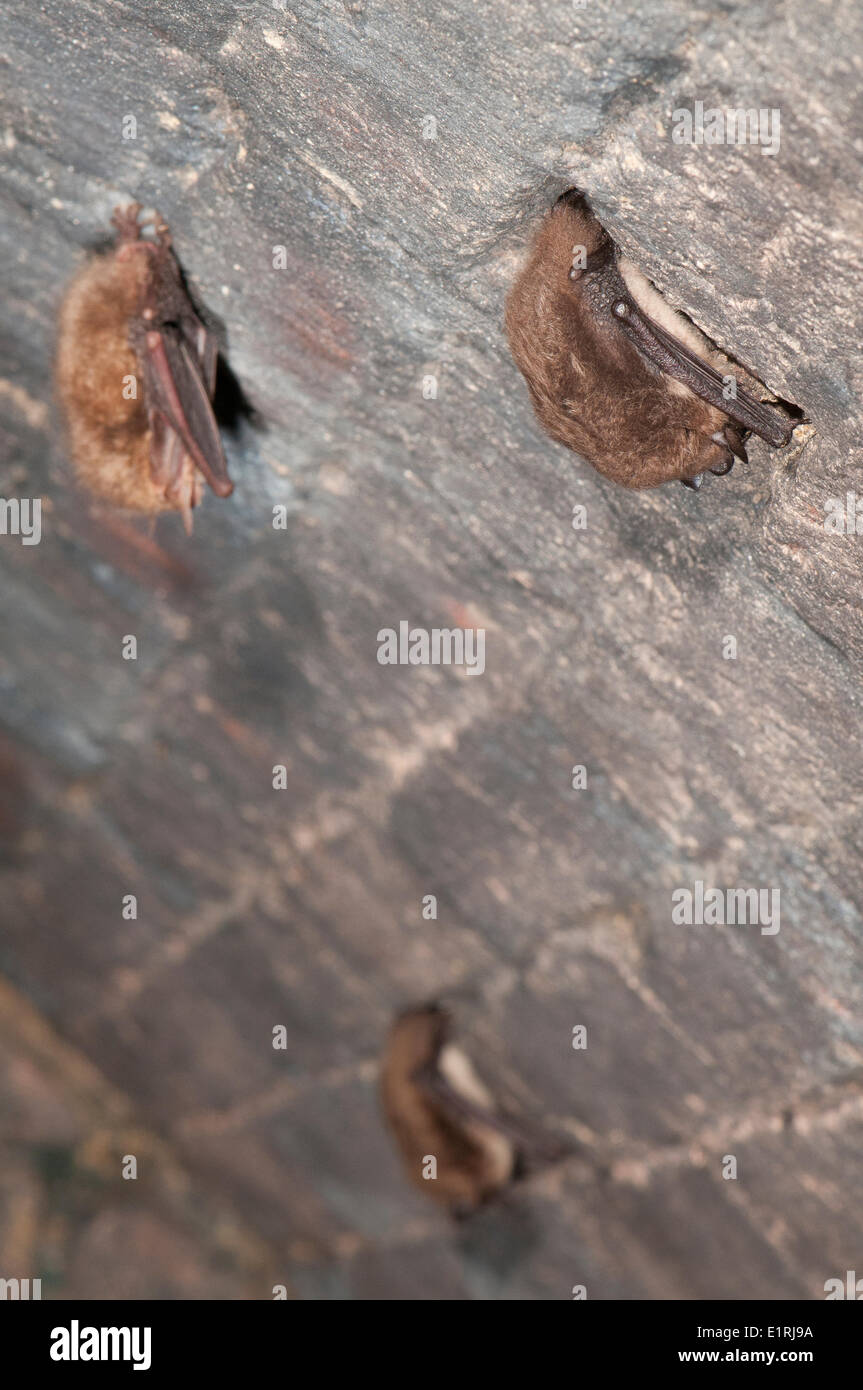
161, 229
693, 483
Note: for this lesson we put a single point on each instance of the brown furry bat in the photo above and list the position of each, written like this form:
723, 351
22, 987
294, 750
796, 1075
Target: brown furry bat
613, 372
437, 1107
136, 371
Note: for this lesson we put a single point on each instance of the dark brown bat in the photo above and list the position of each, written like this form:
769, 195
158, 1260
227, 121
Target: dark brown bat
613, 372
136, 373
437, 1107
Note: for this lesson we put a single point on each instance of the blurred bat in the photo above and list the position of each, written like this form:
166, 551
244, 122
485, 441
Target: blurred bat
614, 373
136, 372
437, 1108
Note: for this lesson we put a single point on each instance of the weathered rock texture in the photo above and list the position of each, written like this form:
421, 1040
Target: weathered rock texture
260, 127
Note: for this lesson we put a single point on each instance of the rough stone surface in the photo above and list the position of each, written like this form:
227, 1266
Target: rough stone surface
303, 127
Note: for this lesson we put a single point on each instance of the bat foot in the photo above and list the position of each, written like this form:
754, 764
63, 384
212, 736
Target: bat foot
126, 221
129, 226
693, 483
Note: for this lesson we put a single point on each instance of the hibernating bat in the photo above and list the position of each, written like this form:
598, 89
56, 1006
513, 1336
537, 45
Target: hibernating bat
614, 373
437, 1108
136, 373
